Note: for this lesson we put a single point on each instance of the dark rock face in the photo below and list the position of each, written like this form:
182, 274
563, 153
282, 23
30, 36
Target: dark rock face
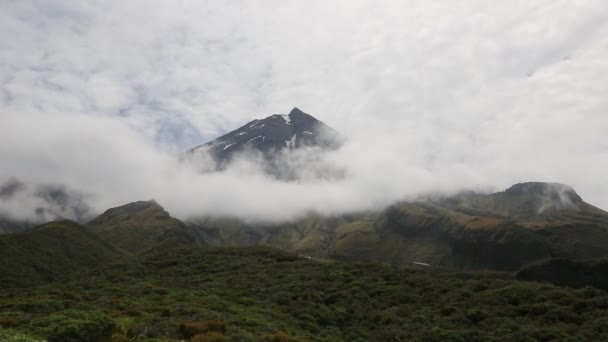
271, 135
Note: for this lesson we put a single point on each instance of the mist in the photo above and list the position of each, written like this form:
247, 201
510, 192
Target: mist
434, 98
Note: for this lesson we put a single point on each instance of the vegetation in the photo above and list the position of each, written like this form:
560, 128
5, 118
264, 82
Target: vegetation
9, 335
50, 252
566, 272
264, 294
67, 282
502, 231
137, 227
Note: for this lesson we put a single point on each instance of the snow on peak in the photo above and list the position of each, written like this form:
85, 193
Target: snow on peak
291, 143
286, 118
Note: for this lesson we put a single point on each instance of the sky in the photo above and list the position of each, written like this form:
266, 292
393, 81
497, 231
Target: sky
99, 97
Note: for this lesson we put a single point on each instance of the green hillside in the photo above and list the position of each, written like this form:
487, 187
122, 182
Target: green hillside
501, 231
139, 226
137, 274
262, 294
50, 253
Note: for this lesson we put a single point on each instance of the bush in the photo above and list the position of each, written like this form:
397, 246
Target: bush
476, 315
120, 338
188, 330
280, 336
75, 326
211, 336
7, 335
557, 315
8, 322
41, 307
132, 312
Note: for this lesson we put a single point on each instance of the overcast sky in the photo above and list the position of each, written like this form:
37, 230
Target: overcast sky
435, 95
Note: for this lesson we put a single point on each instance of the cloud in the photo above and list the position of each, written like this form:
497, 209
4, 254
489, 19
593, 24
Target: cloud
99, 96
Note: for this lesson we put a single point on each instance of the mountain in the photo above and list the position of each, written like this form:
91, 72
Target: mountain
63, 281
269, 137
503, 231
49, 252
140, 226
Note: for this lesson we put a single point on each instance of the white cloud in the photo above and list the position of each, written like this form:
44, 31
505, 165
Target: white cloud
435, 96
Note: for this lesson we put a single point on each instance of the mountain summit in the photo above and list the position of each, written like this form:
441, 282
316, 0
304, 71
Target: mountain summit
273, 134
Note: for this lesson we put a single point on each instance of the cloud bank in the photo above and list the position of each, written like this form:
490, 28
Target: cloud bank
100, 96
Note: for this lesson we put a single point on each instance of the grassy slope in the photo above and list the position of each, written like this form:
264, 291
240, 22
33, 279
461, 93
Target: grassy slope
246, 294
50, 252
140, 226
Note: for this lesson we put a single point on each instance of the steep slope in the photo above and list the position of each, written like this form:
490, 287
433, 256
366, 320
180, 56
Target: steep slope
503, 231
140, 226
49, 253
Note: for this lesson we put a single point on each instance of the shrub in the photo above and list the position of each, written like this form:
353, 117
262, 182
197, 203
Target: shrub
120, 338
557, 315
476, 315
212, 336
75, 326
132, 312
7, 335
41, 306
448, 310
280, 336
188, 330
548, 334
8, 322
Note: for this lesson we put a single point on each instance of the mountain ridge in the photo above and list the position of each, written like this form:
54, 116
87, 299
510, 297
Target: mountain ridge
471, 231
140, 226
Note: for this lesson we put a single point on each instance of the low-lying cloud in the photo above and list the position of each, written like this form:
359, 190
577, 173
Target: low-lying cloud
101, 98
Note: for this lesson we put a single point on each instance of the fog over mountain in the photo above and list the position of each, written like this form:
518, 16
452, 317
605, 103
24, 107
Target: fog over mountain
433, 98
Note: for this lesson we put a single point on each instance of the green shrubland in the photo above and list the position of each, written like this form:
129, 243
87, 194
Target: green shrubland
264, 294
